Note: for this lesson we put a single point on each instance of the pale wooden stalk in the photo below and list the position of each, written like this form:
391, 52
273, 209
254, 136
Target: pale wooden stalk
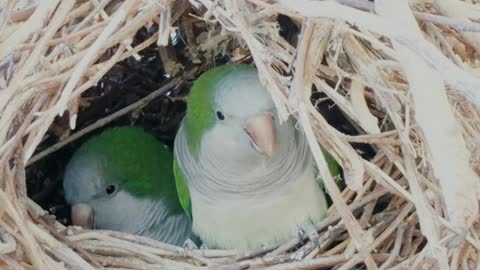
92, 54
300, 86
165, 24
455, 77
464, 12
457, 179
32, 60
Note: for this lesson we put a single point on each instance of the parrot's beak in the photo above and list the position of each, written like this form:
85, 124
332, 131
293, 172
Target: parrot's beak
261, 130
83, 215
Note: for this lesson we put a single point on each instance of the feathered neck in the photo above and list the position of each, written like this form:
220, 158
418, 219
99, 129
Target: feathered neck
158, 222
217, 178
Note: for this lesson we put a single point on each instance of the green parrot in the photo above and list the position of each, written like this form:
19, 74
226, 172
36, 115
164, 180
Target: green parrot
244, 179
123, 180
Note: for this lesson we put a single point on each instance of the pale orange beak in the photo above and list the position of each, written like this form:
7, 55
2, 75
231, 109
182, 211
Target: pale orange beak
83, 215
261, 130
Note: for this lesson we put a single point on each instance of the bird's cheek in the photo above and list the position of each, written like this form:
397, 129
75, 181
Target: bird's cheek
83, 215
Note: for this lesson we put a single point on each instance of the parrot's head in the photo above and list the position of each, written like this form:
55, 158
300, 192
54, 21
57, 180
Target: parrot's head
230, 113
114, 176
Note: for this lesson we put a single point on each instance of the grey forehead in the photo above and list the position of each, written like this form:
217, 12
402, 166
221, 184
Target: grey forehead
83, 178
242, 91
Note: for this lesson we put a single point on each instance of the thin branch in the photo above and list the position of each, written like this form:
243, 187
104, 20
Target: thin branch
107, 119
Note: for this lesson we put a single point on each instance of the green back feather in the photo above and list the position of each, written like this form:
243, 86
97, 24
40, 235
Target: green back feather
334, 169
200, 114
137, 161
182, 189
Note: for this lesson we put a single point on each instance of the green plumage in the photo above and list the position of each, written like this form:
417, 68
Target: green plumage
129, 153
182, 189
200, 117
334, 169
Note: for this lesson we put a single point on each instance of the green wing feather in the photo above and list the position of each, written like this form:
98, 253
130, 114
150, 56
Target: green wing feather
334, 169
182, 189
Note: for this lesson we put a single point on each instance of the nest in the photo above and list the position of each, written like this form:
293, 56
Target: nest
404, 79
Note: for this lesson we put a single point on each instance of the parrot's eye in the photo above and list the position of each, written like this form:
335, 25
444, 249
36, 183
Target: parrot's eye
220, 115
110, 189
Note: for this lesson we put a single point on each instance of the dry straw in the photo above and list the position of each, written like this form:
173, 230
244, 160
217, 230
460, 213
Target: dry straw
406, 78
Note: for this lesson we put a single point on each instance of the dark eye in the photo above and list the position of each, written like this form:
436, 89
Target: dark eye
220, 115
110, 189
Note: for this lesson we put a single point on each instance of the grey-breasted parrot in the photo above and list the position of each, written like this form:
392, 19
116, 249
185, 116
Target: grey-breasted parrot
244, 179
123, 180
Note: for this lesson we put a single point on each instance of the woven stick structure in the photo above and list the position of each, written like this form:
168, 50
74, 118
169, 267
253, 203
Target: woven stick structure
405, 75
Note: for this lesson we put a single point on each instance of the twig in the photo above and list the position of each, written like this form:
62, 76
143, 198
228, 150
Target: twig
443, 140
298, 88
396, 248
459, 25
104, 121
65, 240
92, 54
